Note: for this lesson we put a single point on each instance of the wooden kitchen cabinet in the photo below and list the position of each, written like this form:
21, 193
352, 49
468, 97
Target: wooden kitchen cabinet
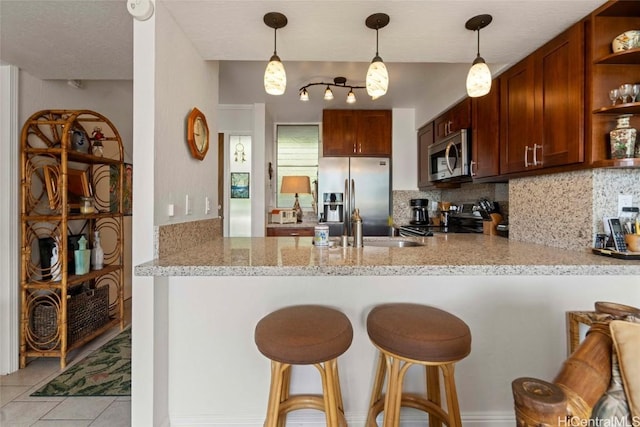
425, 138
356, 133
542, 99
608, 70
455, 119
485, 139
290, 231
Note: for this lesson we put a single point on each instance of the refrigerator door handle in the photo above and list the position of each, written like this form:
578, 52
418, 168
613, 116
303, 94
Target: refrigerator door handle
353, 195
346, 228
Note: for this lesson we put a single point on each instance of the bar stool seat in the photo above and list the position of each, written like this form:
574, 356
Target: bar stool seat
407, 334
304, 335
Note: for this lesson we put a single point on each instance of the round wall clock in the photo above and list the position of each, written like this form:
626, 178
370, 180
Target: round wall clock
197, 134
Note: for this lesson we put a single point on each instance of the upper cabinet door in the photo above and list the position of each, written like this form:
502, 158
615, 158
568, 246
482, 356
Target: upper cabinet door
455, 119
516, 116
485, 141
559, 98
374, 133
425, 139
356, 133
339, 129
542, 106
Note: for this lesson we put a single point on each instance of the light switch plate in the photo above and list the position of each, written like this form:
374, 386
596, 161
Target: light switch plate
624, 200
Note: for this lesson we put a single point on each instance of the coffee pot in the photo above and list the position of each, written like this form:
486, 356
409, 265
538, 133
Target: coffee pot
419, 211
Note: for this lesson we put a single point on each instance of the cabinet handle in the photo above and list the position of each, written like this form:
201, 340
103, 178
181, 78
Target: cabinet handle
526, 156
473, 163
354, 148
360, 148
294, 234
535, 156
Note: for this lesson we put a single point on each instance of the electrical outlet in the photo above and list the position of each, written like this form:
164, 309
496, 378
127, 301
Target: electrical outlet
624, 200
187, 205
170, 210
207, 205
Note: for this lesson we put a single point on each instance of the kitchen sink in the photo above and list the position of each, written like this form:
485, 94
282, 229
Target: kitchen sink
392, 243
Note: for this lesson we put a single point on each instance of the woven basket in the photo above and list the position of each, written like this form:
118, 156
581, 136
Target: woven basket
86, 313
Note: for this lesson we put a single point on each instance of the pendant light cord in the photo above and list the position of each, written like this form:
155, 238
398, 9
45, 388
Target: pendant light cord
275, 41
478, 41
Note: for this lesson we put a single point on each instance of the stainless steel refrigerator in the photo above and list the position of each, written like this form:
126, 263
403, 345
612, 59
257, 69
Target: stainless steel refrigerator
355, 182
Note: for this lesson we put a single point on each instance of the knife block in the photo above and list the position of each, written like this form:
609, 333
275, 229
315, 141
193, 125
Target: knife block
489, 227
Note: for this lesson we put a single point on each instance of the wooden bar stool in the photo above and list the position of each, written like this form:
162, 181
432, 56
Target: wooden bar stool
408, 334
304, 335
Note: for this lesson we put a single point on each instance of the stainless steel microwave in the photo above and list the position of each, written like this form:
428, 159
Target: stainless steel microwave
450, 158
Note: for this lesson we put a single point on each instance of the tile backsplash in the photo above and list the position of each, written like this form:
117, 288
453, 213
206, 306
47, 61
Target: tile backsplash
566, 210
563, 210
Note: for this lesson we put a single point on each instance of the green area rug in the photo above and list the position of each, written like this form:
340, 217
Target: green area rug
105, 372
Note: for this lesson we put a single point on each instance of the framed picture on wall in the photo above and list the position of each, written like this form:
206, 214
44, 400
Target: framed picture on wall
239, 185
127, 193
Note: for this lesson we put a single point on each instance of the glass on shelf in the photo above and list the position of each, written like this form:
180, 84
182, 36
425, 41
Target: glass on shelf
635, 91
86, 205
626, 90
614, 94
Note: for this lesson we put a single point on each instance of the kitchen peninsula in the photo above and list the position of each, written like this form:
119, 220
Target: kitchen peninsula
513, 295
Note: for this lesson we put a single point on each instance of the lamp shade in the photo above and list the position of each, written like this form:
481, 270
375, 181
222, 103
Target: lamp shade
377, 78
275, 78
295, 184
478, 79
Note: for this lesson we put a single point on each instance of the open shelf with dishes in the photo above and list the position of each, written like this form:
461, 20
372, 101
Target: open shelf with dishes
72, 275
609, 68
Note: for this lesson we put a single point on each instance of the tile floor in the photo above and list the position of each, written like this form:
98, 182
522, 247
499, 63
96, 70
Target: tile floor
19, 409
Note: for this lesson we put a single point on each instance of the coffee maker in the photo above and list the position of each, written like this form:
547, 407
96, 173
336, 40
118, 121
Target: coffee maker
333, 207
419, 211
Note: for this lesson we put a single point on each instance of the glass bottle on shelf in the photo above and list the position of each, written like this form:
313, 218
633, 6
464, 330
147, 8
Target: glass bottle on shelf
623, 139
97, 253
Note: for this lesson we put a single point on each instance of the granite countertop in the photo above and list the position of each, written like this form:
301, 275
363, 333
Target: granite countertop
303, 224
442, 254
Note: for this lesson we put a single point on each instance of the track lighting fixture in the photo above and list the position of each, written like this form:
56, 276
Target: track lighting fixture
340, 82
377, 76
479, 77
275, 78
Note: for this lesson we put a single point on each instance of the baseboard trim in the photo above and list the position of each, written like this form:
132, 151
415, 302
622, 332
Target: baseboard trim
315, 419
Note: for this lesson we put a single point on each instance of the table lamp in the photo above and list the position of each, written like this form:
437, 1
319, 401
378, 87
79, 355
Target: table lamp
296, 184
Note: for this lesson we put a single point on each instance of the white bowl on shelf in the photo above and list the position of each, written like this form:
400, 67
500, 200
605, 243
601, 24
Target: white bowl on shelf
625, 41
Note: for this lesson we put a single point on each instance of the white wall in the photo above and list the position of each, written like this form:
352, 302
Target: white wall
183, 81
219, 378
170, 79
111, 98
405, 150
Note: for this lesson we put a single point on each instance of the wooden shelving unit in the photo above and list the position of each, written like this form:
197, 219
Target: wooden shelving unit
61, 310
607, 70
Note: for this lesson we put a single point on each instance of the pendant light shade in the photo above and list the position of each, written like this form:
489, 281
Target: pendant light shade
328, 94
479, 77
275, 77
377, 76
351, 97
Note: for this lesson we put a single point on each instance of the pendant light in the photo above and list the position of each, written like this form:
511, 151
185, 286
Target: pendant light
479, 77
377, 77
328, 94
351, 97
275, 78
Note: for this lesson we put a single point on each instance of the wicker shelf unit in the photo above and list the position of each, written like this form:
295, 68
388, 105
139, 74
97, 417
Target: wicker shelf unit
61, 310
